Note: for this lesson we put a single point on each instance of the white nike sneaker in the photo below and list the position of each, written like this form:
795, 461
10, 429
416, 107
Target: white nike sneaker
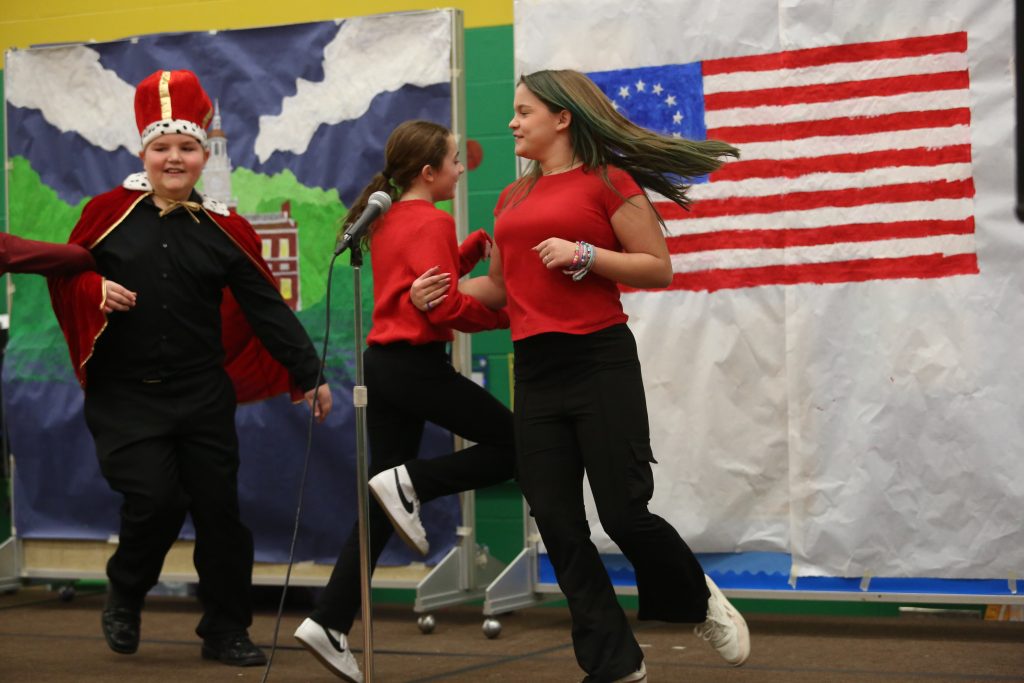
331, 648
394, 491
725, 628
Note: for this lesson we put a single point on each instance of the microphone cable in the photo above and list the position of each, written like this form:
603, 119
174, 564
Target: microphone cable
305, 467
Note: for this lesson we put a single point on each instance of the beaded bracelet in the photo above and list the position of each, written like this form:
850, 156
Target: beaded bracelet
579, 257
576, 257
587, 261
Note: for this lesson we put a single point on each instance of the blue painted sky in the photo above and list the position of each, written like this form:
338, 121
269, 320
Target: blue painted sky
250, 72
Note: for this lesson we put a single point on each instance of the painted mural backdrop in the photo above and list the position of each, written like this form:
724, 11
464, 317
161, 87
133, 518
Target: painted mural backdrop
302, 114
834, 371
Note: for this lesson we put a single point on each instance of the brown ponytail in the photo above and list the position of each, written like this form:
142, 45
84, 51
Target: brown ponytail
411, 146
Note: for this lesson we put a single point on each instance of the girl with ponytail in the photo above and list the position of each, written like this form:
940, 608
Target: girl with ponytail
409, 376
410, 147
568, 233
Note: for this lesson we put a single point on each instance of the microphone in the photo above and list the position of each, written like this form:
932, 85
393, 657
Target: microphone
377, 205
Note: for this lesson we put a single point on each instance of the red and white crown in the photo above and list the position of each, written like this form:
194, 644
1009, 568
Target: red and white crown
169, 102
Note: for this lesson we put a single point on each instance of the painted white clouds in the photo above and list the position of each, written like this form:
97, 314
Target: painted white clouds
74, 93
370, 55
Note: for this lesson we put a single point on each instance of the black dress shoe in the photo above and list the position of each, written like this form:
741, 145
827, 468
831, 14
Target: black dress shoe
235, 650
121, 629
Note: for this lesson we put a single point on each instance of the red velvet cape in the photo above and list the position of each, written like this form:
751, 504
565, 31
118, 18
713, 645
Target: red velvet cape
21, 255
78, 301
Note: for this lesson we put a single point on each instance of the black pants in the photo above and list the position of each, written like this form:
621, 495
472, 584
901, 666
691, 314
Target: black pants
170, 448
580, 408
408, 386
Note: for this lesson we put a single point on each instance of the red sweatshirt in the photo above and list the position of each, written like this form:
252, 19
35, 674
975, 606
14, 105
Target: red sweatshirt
410, 238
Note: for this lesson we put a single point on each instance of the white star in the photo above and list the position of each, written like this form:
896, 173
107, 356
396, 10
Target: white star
615, 105
677, 117
624, 91
670, 100
640, 85
677, 135
657, 89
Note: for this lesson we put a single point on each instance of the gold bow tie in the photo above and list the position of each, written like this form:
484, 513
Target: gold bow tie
190, 207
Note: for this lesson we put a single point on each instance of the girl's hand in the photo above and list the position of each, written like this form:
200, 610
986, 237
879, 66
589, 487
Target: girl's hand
556, 253
430, 289
475, 248
116, 297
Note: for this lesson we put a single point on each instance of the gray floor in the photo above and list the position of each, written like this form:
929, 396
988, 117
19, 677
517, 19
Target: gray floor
45, 639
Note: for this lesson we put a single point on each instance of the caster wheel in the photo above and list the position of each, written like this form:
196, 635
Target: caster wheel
492, 628
66, 593
427, 623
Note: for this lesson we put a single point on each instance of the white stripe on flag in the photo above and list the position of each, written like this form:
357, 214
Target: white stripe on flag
939, 209
845, 251
815, 182
856, 144
835, 73
818, 111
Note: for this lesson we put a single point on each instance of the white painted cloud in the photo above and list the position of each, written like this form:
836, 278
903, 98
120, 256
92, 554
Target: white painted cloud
370, 55
74, 93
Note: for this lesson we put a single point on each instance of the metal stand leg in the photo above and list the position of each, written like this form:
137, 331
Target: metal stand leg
359, 400
10, 569
467, 569
516, 587
464, 572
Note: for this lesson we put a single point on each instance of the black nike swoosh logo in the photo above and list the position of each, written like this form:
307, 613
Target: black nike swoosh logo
335, 643
406, 503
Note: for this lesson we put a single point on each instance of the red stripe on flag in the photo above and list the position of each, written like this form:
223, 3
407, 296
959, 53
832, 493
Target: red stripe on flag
832, 92
810, 237
849, 125
800, 201
842, 163
911, 267
858, 52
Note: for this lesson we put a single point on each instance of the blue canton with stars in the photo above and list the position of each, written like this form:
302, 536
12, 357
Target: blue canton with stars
666, 99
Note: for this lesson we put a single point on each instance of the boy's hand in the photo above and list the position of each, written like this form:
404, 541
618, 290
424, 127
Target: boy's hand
320, 401
116, 297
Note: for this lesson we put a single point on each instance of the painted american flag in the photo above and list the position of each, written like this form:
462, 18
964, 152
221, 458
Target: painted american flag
856, 162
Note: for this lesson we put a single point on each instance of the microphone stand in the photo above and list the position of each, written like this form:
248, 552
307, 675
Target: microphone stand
359, 401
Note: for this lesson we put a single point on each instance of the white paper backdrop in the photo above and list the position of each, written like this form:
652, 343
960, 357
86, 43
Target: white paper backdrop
868, 428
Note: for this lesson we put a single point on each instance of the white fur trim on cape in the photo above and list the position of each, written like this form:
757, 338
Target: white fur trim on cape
140, 183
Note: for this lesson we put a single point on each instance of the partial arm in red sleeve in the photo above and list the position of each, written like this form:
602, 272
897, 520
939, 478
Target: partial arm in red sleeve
20, 255
465, 314
473, 249
457, 311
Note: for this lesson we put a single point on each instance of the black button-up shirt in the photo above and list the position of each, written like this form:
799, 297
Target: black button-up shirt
178, 268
